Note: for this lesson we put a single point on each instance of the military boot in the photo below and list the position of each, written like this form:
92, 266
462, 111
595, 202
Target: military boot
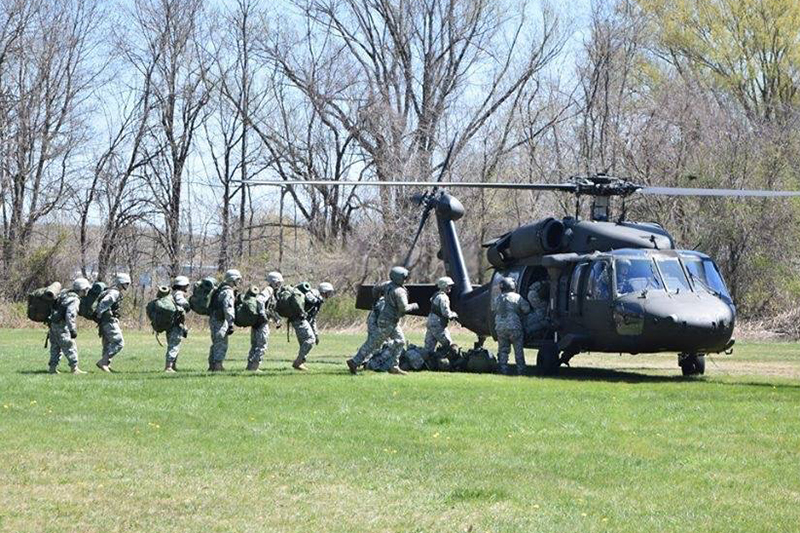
398, 371
169, 367
352, 366
299, 364
103, 364
216, 366
54, 369
76, 370
253, 366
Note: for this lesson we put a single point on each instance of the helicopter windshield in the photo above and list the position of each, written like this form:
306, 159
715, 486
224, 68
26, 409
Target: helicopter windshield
673, 275
636, 275
704, 275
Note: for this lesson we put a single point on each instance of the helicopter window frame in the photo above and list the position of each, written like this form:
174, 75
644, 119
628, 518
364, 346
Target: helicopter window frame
686, 278
653, 268
577, 285
592, 284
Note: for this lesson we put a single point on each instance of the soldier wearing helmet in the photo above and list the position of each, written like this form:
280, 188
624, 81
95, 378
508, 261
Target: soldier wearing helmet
220, 318
509, 308
108, 314
539, 299
436, 331
259, 334
305, 327
64, 328
178, 331
395, 306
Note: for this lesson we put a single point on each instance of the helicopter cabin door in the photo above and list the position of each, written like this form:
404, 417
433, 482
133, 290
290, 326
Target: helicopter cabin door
596, 297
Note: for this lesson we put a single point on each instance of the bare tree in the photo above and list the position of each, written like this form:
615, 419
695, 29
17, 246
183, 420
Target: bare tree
45, 76
171, 34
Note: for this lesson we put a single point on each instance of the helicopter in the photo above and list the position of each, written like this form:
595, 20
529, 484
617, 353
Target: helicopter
614, 286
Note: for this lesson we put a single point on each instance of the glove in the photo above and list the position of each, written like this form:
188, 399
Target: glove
316, 340
229, 332
413, 307
73, 334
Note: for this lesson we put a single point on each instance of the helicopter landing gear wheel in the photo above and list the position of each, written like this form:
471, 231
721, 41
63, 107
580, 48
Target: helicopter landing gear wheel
547, 360
692, 364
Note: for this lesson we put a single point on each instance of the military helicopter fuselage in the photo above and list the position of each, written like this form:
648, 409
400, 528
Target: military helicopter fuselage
617, 287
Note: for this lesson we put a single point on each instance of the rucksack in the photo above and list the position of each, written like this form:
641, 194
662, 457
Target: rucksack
88, 304
41, 302
290, 302
481, 361
202, 295
246, 309
162, 311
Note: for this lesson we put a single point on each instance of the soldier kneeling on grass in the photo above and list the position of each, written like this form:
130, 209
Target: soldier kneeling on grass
64, 327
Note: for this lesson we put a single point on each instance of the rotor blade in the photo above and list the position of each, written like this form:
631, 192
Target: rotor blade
742, 193
566, 187
422, 221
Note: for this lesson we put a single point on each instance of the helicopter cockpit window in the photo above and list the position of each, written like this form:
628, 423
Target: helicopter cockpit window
673, 274
705, 276
636, 275
599, 282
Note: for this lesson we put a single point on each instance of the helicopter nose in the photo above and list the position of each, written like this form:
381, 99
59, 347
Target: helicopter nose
695, 325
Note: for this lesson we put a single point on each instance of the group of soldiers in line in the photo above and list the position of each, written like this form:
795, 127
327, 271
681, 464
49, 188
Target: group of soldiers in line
63, 329
513, 315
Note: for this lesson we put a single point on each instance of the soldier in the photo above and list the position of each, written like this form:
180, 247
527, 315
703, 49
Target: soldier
305, 327
178, 331
509, 306
439, 317
539, 298
63, 326
395, 306
108, 314
259, 334
220, 319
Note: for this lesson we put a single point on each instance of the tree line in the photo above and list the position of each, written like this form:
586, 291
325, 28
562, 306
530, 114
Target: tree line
128, 130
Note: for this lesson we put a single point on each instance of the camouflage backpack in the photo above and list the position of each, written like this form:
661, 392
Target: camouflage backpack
88, 304
246, 308
42, 301
481, 361
290, 302
202, 295
381, 361
412, 358
162, 311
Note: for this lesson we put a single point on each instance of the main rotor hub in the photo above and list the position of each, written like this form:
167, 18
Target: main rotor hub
603, 185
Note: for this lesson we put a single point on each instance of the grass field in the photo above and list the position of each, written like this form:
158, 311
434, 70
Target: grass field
628, 447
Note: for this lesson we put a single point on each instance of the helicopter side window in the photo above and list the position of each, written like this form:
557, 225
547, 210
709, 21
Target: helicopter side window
636, 275
599, 282
673, 274
577, 283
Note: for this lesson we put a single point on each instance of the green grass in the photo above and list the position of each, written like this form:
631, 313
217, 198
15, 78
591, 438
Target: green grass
633, 447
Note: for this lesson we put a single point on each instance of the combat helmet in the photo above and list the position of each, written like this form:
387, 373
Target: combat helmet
180, 281
507, 284
398, 275
81, 284
232, 276
444, 282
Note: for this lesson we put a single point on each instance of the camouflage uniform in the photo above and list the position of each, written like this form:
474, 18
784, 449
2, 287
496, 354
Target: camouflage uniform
372, 331
388, 327
259, 334
220, 320
438, 319
306, 327
178, 331
508, 324
536, 321
110, 332
63, 329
